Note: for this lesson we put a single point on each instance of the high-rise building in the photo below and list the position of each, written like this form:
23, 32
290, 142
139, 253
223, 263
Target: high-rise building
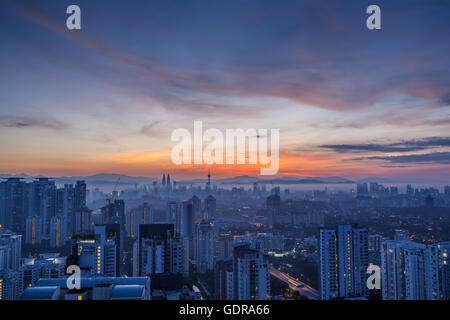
251, 277
45, 266
187, 226
10, 249
362, 189
9, 285
210, 207
80, 195
33, 232
273, 203
223, 246
401, 234
173, 215
205, 246
414, 271
444, 256
223, 278
13, 204
196, 206
114, 212
447, 190
169, 186
157, 250
57, 231
409, 189
208, 182
43, 201
266, 242
393, 190
343, 262
275, 191
373, 187
141, 215
375, 241
187, 233
98, 253
68, 204
83, 221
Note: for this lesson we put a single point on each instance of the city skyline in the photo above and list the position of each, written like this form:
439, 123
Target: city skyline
348, 101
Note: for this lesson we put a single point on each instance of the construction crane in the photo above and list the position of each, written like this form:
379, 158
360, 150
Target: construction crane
115, 188
113, 192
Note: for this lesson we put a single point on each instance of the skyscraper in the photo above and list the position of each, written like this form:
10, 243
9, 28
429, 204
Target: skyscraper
208, 183
13, 204
114, 212
223, 278
83, 221
251, 277
223, 246
343, 262
169, 186
210, 207
205, 246
80, 195
10, 249
362, 189
273, 203
196, 207
414, 271
57, 231
140, 215
173, 214
9, 285
158, 250
98, 253
187, 219
33, 233
44, 201
187, 232
69, 207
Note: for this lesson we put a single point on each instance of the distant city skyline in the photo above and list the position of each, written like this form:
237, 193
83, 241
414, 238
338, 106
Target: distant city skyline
348, 101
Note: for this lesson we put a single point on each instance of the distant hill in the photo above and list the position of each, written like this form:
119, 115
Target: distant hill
96, 179
121, 179
238, 180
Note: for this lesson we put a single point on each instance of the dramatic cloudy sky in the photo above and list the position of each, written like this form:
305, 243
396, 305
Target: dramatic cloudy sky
348, 101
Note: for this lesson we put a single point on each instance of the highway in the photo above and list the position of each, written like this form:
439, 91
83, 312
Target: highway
293, 283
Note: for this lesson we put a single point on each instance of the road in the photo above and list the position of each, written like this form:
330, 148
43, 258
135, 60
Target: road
293, 283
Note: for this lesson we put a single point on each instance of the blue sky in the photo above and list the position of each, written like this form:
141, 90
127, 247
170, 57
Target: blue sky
107, 97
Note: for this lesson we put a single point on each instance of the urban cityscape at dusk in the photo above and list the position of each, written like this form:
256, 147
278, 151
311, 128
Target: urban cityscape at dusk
136, 140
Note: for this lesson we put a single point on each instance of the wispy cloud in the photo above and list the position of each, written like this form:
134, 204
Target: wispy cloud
302, 76
26, 122
434, 157
404, 146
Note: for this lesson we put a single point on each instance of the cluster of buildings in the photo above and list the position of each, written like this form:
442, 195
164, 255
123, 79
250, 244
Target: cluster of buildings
409, 270
42, 211
244, 276
373, 194
159, 254
163, 252
275, 215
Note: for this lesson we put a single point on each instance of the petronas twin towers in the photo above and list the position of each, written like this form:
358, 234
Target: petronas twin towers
164, 179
